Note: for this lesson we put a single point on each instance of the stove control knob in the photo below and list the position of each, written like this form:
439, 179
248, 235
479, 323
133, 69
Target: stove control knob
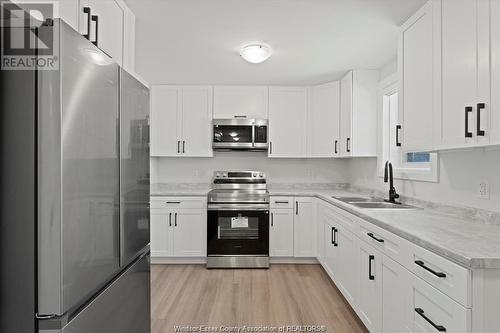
217, 175
261, 175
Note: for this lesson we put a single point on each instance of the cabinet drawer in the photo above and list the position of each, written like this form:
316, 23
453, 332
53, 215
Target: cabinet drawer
179, 202
450, 278
282, 202
435, 312
391, 245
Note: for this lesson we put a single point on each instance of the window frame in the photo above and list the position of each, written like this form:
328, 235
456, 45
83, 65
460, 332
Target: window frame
387, 87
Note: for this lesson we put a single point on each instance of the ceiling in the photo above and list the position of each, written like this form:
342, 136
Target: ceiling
313, 41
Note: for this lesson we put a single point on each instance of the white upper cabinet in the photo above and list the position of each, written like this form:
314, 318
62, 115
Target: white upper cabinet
324, 128
288, 114
417, 94
181, 121
241, 102
358, 113
492, 57
107, 27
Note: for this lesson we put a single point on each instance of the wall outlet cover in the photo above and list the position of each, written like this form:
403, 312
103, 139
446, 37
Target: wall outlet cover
484, 189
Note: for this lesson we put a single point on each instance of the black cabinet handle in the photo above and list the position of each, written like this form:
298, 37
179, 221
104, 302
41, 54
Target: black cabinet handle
398, 129
333, 236
468, 109
422, 264
272, 219
336, 146
170, 219
370, 275
348, 145
335, 242
480, 107
95, 19
86, 10
183, 147
421, 312
296, 208
380, 240
178, 147
270, 148
281, 202
240, 117
175, 220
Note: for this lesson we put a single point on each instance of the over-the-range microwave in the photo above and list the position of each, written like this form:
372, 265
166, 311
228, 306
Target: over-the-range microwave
240, 134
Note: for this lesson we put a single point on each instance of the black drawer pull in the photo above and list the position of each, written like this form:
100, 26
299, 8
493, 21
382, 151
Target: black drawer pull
370, 275
380, 240
281, 202
468, 109
398, 129
336, 147
480, 107
170, 219
348, 145
422, 264
421, 312
173, 202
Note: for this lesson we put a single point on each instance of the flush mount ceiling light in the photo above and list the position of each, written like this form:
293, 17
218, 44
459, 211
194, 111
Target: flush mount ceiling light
256, 53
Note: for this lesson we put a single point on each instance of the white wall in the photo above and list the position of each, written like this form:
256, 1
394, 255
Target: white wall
200, 170
460, 175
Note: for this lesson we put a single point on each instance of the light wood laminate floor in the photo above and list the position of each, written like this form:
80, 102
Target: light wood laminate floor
191, 295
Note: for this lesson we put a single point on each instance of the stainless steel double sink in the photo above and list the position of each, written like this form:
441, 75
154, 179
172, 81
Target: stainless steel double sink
372, 203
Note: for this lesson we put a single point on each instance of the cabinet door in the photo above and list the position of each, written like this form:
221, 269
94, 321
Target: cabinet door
324, 130
370, 287
346, 115
348, 278
416, 97
287, 121
241, 102
304, 222
161, 233
494, 39
459, 72
165, 121
190, 233
396, 298
281, 233
108, 30
330, 261
128, 40
197, 122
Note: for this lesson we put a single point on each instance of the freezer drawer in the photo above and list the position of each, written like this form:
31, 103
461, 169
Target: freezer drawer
124, 306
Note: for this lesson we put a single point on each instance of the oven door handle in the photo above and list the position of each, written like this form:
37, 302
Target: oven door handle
251, 207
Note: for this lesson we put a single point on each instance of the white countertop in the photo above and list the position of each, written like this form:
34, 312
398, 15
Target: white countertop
468, 242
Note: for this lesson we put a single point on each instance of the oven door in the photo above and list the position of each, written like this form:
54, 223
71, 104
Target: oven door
238, 232
233, 134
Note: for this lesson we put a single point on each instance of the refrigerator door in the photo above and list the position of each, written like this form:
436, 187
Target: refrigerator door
124, 306
134, 167
78, 192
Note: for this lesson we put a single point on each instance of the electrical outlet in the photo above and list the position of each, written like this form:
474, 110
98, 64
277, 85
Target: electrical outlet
484, 189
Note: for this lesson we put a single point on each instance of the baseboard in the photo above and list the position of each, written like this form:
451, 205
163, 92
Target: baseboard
203, 260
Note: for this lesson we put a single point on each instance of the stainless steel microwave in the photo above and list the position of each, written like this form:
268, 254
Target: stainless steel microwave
240, 134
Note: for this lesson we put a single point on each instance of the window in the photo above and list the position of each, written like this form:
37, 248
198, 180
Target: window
410, 165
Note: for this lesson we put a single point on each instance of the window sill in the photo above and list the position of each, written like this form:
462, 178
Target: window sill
422, 175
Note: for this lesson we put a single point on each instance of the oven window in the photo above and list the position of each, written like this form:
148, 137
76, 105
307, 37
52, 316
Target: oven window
238, 233
260, 134
232, 134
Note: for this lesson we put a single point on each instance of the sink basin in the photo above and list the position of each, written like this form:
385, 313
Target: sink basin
381, 205
357, 199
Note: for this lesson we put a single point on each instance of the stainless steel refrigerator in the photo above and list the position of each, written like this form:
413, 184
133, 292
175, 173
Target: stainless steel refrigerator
74, 241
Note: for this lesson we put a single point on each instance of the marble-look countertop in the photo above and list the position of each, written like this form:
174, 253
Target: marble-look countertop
464, 240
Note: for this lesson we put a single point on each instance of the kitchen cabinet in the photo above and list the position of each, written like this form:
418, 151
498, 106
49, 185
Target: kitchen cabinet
370, 287
494, 59
330, 259
288, 114
189, 233
161, 233
304, 227
417, 95
281, 233
181, 121
358, 113
347, 244
250, 102
396, 297
324, 128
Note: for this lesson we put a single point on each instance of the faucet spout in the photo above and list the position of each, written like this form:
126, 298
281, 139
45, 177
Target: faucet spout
389, 177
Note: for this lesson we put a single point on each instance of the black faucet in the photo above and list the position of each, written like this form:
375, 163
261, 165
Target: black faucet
389, 177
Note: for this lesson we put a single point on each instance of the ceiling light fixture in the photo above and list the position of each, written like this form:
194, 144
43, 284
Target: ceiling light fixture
255, 53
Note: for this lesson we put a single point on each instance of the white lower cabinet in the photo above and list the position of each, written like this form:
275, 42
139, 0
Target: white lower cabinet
178, 232
396, 297
348, 248
281, 233
370, 287
304, 224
